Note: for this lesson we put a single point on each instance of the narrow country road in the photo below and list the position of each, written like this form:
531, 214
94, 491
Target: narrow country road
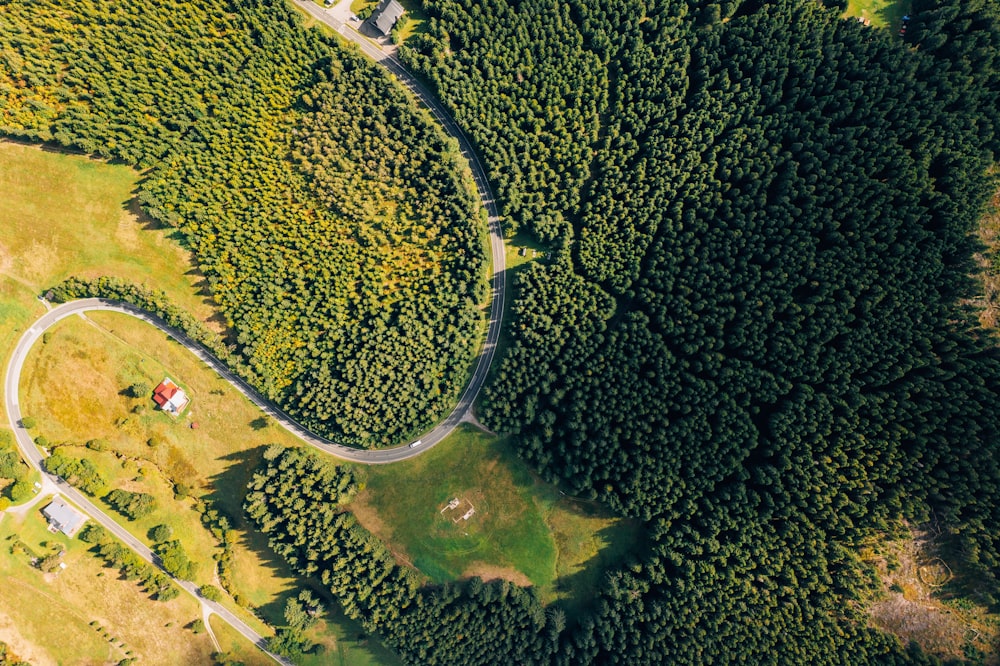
428, 440
52, 483
84, 305
348, 30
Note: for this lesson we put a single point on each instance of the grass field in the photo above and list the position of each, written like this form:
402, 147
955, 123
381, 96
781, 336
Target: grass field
46, 618
522, 529
68, 215
881, 13
92, 361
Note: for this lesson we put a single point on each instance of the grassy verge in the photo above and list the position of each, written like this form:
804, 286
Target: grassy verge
521, 530
988, 263
881, 13
84, 613
235, 647
358, 5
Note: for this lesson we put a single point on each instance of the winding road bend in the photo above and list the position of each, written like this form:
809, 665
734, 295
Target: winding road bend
54, 484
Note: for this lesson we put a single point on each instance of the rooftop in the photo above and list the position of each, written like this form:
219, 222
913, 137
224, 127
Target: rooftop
385, 15
63, 517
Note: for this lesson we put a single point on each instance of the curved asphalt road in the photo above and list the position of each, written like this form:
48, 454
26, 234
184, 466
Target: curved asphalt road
464, 405
498, 282
53, 483
468, 397
379, 456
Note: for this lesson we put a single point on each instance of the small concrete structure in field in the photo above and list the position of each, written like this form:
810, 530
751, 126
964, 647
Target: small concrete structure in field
63, 518
458, 510
170, 397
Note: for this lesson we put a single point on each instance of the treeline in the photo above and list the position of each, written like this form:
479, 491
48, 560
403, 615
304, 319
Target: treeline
129, 565
351, 298
750, 334
13, 470
153, 302
298, 501
83, 474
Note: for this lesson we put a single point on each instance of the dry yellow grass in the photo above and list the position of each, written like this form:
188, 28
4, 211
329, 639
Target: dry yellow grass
100, 356
65, 215
73, 385
46, 617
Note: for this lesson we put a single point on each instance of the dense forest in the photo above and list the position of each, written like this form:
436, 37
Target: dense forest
750, 334
335, 226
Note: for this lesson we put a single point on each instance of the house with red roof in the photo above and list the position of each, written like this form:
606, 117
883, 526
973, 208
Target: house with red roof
170, 397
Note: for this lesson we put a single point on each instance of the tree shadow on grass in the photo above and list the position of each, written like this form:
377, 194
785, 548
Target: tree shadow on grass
623, 544
892, 14
228, 490
229, 487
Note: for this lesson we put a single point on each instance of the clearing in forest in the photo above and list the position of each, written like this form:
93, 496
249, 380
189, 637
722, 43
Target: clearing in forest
517, 527
918, 601
881, 13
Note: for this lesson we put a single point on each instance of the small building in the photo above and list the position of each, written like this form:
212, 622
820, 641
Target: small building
170, 397
63, 517
385, 15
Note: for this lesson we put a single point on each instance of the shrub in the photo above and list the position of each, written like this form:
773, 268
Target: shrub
198, 626
211, 592
28, 422
131, 505
98, 445
50, 563
10, 465
175, 561
160, 533
20, 491
78, 472
93, 533
168, 593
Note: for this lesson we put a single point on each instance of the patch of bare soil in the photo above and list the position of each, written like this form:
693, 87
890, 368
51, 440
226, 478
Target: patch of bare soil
914, 603
490, 572
17, 644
